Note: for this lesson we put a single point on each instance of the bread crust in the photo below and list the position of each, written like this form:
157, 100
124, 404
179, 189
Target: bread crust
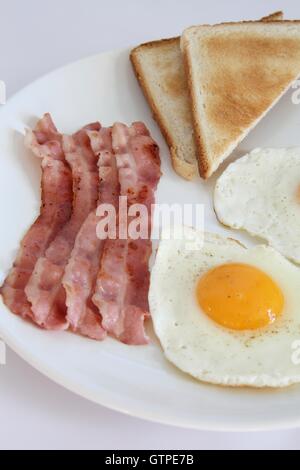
245, 22
156, 43
205, 164
277, 16
203, 160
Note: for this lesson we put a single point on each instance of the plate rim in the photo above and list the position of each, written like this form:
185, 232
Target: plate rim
115, 405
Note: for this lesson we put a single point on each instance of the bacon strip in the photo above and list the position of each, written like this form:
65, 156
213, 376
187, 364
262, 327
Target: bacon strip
56, 208
44, 289
123, 282
81, 273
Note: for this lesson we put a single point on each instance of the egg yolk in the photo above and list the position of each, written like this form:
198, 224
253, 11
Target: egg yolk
240, 297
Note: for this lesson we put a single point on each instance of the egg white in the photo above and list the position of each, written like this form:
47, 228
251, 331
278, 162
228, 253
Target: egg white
199, 346
260, 193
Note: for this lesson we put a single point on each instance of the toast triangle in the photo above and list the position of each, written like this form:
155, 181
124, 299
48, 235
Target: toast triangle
236, 73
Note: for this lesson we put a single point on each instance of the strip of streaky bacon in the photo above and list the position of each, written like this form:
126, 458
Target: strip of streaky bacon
56, 208
44, 290
81, 273
122, 286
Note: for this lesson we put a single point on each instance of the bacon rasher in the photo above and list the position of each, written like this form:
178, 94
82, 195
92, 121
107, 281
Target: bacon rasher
56, 208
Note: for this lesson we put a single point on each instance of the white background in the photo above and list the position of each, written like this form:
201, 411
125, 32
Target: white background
36, 37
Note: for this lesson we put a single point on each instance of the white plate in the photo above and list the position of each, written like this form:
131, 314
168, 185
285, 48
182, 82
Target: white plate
134, 380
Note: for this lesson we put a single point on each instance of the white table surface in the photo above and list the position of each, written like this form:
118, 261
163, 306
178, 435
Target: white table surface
36, 37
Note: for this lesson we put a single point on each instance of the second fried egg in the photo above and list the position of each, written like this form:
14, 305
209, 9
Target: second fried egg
260, 193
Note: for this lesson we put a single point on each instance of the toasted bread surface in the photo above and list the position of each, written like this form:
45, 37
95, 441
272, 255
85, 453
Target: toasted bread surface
236, 74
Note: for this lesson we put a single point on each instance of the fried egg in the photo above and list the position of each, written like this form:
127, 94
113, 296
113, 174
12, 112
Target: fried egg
260, 193
225, 314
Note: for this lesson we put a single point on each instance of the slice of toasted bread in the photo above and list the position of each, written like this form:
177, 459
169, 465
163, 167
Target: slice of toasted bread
160, 71
159, 68
236, 73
